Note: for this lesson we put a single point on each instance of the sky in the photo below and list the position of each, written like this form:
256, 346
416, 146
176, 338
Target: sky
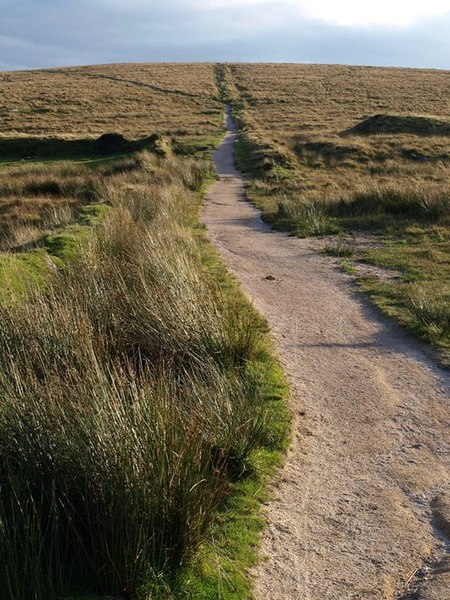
45, 33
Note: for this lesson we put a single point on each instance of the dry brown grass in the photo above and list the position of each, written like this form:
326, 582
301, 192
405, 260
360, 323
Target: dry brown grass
36, 199
81, 103
339, 148
134, 99
307, 110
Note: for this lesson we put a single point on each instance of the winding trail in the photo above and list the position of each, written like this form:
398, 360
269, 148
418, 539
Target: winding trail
351, 515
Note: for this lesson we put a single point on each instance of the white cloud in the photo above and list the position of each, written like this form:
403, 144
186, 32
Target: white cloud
370, 12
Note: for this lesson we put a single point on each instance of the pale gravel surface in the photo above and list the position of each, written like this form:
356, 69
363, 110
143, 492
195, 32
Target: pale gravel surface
350, 517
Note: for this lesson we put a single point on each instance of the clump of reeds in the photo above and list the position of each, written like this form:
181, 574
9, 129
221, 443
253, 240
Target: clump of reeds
312, 214
416, 202
431, 314
129, 401
306, 216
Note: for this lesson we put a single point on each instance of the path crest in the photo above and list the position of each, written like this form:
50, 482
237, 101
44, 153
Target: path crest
351, 516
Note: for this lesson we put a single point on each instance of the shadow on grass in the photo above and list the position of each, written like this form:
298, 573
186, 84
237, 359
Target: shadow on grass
108, 144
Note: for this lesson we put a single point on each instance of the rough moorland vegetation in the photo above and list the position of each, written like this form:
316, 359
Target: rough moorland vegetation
363, 154
134, 100
140, 406
134, 391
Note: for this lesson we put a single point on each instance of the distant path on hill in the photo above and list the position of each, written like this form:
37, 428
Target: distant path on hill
354, 507
132, 82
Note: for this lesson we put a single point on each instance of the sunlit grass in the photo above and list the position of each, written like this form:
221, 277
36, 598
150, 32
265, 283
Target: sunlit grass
137, 392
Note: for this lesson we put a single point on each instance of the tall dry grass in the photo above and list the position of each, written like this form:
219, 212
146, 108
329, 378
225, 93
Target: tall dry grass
130, 399
40, 198
373, 206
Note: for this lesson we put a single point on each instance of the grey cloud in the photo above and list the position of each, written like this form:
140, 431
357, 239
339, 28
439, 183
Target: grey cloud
82, 32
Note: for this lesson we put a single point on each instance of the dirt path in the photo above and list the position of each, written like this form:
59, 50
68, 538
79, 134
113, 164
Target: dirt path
351, 515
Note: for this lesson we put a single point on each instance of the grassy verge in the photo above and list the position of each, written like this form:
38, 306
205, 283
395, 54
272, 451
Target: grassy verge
404, 230
222, 567
420, 298
142, 409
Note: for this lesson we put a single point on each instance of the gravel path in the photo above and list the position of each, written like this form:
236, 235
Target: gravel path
351, 515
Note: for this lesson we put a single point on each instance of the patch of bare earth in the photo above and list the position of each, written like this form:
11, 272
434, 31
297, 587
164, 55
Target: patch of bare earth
382, 274
355, 244
352, 510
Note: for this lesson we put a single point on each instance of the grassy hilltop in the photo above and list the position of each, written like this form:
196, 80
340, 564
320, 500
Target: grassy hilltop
133, 99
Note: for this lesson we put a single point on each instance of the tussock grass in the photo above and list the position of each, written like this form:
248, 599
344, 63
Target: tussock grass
132, 397
376, 207
432, 315
415, 203
340, 249
38, 199
306, 218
